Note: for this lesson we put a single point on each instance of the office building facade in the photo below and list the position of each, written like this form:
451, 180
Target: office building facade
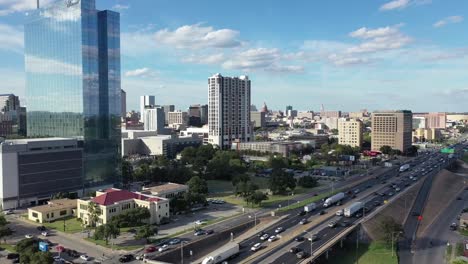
146, 101
31, 170
432, 120
123, 103
258, 119
350, 132
72, 59
154, 119
392, 128
167, 109
228, 110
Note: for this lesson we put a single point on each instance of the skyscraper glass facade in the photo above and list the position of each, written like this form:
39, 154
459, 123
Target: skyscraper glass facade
72, 58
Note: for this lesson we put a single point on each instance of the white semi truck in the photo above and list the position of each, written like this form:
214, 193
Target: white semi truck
223, 253
352, 209
310, 207
334, 199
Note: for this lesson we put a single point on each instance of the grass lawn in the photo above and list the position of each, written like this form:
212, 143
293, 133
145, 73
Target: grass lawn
103, 243
374, 253
72, 225
9, 247
217, 186
309, 200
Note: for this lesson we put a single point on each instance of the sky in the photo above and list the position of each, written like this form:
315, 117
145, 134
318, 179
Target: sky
346, 55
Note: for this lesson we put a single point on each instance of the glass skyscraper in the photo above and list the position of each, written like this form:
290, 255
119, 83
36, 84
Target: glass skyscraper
72, 58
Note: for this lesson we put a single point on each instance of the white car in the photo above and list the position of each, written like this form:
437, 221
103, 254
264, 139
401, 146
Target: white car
28, 236
85, 257
264, 237
339, 212
272, 238
45, 233
279, 230
163, 248
200, 222
256, 247
8, 212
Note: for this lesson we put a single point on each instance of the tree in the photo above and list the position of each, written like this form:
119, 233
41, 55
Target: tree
277, 162
197, 185
28, 250
106, 232
42, 258
240, 178
194, 198
5, 232
93, 213
256, 198
142, 173
307, 182
131, 217
334, 131
389, 229
127, 171
145, 232
387, 150
245, 188
281, 181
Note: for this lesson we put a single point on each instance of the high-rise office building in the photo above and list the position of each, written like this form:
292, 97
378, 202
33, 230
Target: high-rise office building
433, 120
167, 109
177, 118
154, 119
198, 115
330, 114
123, 97
146, 101
392, 128
350, 132
9, 115
9, 102
228, 110
72, 59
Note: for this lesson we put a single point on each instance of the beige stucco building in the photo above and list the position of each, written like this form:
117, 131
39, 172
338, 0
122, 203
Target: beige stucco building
426, 134
168, 190
350, 132
114, 201
392, 128
53, 210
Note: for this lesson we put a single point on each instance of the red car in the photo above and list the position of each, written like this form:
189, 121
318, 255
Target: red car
151, 249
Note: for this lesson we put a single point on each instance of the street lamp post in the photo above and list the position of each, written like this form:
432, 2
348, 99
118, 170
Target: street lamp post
182, 251
311, 242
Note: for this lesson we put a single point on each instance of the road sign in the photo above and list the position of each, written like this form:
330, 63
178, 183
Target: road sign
43, 246
419, 217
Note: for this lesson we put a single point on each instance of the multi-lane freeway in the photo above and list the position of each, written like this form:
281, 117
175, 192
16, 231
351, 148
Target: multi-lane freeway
386, 186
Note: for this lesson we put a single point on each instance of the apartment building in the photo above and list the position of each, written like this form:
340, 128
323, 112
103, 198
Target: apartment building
350, 132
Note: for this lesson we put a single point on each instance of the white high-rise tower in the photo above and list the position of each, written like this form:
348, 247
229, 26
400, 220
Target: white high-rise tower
145, 102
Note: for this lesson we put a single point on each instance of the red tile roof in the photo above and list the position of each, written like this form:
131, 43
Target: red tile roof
115, 195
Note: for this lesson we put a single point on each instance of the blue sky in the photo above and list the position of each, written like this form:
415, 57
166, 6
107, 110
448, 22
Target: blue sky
347, 55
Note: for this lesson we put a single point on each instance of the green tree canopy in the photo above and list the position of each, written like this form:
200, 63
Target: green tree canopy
198, 185
281, 181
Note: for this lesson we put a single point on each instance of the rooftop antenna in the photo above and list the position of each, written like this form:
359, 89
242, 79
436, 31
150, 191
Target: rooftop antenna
37, 4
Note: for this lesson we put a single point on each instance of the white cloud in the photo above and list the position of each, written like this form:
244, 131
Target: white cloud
137, 43
216, 58
379, 39
36, 64
448, 20
142, 72
120, 7
198, 37
395, 4
260, 59
402, 4
11, 39
347, 60
11, 6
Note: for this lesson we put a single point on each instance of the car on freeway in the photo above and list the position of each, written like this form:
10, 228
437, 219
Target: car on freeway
303, 221
453, 226
209, 231
9, 212
126, 258
302, 213
200, 232
151, 249
256, 247
279, 230
376, 203
174, 241
163, 248
313, 238
41, 228
322, 212
85, 257
397, 189
28, 236
332, 224
264, 237
301, 255
344, 224
339, 212
200, 222
390, 194
299, 239
357, 215
294, 250
45, 233
272, 238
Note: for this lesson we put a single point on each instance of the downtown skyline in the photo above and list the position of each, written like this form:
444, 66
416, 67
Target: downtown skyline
373, 54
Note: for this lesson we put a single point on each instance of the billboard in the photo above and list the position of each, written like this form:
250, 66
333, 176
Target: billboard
43, 246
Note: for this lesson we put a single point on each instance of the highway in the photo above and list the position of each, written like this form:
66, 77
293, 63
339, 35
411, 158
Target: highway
325, 233
266, 211
407, 244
